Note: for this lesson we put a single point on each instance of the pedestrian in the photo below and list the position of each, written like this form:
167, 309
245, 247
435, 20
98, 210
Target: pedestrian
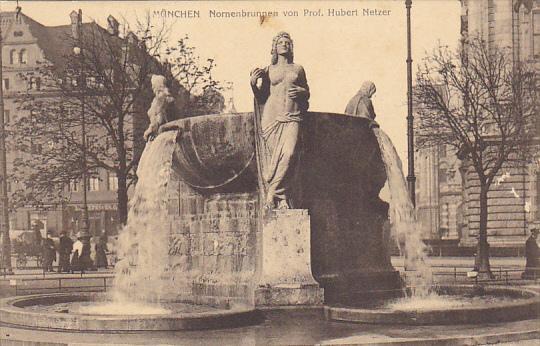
85, 257
48, 253
76, 254
66, 246
532, 267
38, 238
101, 252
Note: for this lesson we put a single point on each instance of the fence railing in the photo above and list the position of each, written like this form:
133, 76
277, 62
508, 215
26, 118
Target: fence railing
24, 286
5, 273
93, 282
464, 274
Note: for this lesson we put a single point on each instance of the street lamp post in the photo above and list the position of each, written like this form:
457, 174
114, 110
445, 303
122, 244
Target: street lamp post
4, 201
84, 229
411, 179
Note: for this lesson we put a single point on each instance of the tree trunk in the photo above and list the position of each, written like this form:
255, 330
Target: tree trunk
122, 196
482, 253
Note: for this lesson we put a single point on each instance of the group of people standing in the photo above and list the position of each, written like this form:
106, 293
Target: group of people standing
72, 255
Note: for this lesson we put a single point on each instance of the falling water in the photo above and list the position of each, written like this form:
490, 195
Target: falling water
143, 243
403, 220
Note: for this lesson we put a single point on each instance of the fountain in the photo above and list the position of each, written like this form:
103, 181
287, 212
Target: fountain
219, 269
212, 239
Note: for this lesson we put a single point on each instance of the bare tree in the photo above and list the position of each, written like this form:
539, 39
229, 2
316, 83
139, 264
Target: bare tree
108, 75
202, 90
482, 103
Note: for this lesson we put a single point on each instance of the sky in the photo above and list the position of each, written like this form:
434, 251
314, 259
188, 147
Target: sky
338, 53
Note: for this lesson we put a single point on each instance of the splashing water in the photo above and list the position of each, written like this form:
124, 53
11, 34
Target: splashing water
143, 243
403, 220
445, 302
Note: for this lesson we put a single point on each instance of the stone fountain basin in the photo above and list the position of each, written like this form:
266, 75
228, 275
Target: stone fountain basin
14, 311
525, 306
214, 151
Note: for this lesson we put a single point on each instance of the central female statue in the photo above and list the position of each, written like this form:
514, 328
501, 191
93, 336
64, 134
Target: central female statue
283, 94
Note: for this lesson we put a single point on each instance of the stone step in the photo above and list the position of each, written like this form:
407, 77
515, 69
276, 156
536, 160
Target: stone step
497, 213
500, 194
498, 224
501, 232
502, 201
497, 209
493, 189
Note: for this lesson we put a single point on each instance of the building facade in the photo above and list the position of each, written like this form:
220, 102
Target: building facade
448, 190
25, 43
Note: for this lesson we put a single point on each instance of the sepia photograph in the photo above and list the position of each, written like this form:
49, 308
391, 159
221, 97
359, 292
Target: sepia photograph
226, 172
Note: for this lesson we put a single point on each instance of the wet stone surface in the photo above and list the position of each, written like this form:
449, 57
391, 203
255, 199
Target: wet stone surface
287, 327
432, 302
107, 308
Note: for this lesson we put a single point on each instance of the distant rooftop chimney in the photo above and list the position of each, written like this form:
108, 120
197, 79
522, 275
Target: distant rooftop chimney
112, 27
76, 20
229, 104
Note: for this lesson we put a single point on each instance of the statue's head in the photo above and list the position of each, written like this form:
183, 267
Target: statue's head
279, 38
158, 82
368, 88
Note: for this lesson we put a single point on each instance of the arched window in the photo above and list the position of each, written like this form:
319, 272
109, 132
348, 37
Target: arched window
12, 56
536, 33
23, 56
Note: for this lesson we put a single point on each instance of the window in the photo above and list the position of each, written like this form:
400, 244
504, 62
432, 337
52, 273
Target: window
93, 184
538, 195
536, 34
91, 82
34, 83
442, 150
6, 84
6, 116
73, 186
443, 176
91, 140
491, 23
23, 56
36, 148
113, 182
12, 56
444, 220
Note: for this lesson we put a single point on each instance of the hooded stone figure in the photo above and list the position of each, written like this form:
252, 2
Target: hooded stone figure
360, 104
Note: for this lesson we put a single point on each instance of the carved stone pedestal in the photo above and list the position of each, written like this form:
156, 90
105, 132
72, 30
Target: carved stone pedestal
284, 273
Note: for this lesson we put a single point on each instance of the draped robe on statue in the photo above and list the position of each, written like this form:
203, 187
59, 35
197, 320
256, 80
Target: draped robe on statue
279, 132
360, 104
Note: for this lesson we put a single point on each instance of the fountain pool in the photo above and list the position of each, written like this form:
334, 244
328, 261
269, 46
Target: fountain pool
451, 305
84, 312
